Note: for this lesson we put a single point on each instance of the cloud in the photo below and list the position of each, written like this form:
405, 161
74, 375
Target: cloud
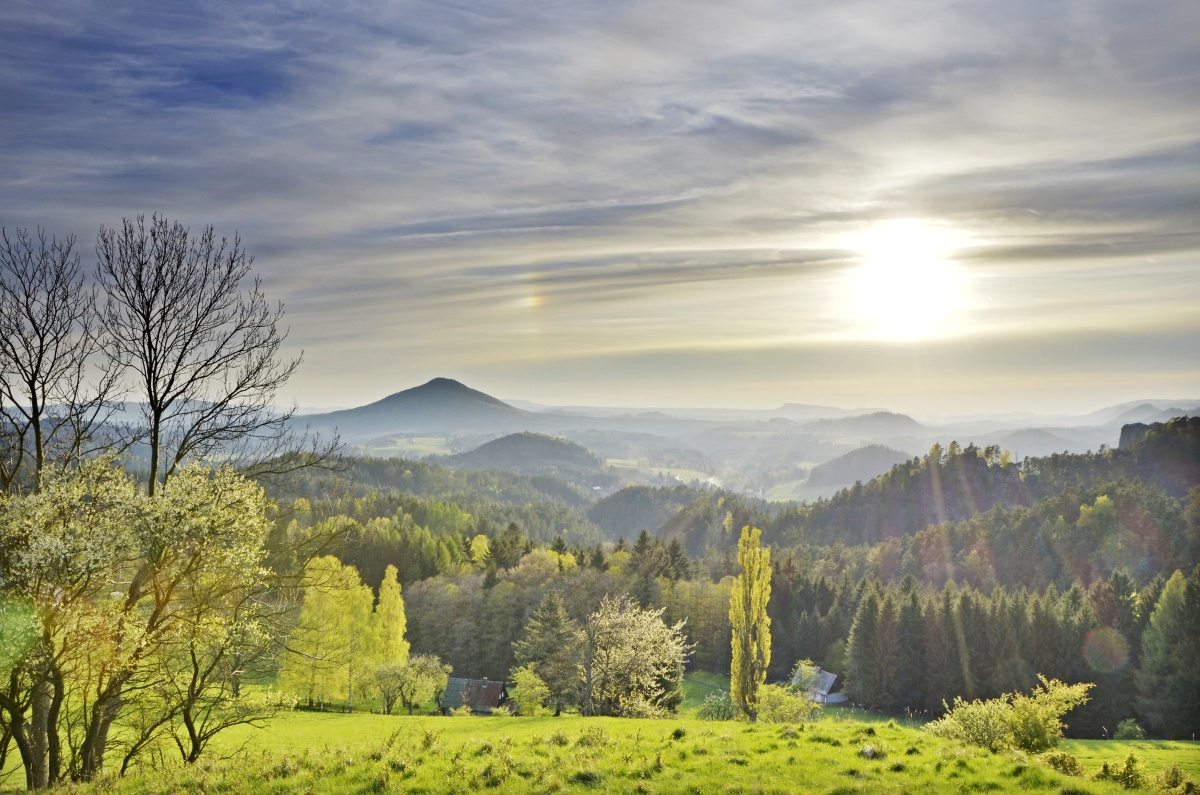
515, 182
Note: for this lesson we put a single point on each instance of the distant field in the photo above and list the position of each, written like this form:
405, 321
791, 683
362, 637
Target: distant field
402, 446
649, 470
787, 491
1154, 754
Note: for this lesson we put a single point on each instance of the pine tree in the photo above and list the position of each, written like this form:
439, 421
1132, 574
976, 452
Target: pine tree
910, 653
679, 567
552, 646
862, 666
1168, 682
751, 635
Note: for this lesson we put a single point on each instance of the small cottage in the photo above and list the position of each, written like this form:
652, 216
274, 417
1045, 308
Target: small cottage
481, 695
825, 688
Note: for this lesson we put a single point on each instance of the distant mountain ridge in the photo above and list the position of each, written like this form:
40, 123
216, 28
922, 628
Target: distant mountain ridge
879, 422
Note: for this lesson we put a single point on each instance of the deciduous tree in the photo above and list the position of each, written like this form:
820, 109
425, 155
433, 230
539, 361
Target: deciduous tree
750, 622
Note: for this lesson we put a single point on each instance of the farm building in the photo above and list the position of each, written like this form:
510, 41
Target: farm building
825, 688
481, 695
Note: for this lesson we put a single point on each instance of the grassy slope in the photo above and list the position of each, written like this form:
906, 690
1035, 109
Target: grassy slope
333, 753
1154, 754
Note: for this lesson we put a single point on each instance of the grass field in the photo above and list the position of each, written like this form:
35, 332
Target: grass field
844, 751
410, 446
647, 470
331, 753
1157, 754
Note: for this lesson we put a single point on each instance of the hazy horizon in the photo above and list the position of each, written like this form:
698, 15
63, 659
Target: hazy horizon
1073, 409
936, 209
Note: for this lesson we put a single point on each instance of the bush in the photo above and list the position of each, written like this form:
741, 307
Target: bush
717, 706
781, 704
529, 691
594, 736
1129, 729
1174, 781
1129, 775
981, 723
1064, 763
1015, 721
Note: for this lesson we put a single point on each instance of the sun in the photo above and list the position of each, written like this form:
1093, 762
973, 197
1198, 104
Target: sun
907, 285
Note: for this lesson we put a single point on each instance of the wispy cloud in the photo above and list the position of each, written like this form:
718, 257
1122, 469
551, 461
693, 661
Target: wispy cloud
500, 190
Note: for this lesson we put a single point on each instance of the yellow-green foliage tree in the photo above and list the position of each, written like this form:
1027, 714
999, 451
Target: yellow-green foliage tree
138, 607
390, 621
331, 644
750, 623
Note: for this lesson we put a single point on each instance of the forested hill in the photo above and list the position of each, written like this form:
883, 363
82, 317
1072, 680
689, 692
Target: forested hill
537, 454
861, 464
954, 483
365, 488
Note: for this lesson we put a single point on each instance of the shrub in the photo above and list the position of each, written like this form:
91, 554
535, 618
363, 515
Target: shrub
1174, 781
717, 706
1129, 729
1064, 763
679, 733
1035, 720
1015, 721
529, 691
593, 736
979, 723
780, 704
1129, 775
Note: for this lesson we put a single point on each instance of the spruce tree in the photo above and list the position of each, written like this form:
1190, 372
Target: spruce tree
751, 626
862, 665
1168, 681
552, 646
910, 653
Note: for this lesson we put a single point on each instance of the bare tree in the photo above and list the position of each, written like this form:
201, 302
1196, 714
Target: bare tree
54, 390
188, 318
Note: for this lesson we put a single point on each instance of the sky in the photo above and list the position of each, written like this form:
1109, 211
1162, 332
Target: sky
930, 206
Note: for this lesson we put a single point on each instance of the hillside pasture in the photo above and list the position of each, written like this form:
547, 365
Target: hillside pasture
338, 753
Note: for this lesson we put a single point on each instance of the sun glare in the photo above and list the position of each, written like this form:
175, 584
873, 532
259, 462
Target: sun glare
907, 285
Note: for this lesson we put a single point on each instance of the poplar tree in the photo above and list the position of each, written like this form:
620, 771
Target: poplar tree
390, 621
751, 635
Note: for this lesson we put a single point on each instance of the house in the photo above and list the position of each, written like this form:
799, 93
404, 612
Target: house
825, 688
481, 695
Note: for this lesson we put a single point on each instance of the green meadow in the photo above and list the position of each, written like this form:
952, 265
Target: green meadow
843, 751
334, 753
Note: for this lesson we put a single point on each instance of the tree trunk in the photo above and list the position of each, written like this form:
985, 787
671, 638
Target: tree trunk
95, 740
53, 743
39, 733
152, 486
